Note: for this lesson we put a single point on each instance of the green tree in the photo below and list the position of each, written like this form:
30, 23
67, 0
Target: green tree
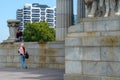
38, 31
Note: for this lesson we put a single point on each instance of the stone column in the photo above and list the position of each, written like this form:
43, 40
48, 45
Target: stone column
13, 26
80, 10
64, 18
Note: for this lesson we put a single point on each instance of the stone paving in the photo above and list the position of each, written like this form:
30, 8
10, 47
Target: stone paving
31, 74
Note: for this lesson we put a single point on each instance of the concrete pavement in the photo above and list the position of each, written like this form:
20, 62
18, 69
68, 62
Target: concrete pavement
31, 74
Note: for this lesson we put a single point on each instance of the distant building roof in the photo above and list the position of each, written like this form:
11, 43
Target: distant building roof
40, 5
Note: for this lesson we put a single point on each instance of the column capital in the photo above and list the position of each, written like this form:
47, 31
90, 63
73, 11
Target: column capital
13, 23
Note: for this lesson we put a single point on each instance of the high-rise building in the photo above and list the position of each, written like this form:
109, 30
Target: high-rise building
36, 13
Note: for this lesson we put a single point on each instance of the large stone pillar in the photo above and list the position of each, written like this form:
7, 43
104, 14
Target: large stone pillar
80, 10
64, 18
13, 26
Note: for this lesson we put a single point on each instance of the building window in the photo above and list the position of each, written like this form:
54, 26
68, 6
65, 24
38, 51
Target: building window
42, 13
35, 10
49, 20
49, 11
35, 15
26, 20
26, 17
49, 16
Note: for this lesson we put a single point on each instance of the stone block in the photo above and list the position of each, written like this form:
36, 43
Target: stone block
76, 28
3, 52
2, 64
94, 68
10, 58
11, 65
101, 41
83, 34
110, 78
101, 24
51, 52
101, 68
91, 53
16, 58
93, 39
33, 65
113, 69
110, 33
110, 53
73, 41
60, 60
80, 53
92, 78
51, 59
73, 77
43, 59
73, 53
61, 66
55, 45
12, 51
73, 67
109, 41
90, 41
3, 59
34, 51
32, 45
35, 59
55, 52
55, 66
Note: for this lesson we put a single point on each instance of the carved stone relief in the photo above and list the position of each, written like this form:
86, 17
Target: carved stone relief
102, 8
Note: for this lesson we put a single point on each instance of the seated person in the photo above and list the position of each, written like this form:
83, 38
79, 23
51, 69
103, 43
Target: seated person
19, 35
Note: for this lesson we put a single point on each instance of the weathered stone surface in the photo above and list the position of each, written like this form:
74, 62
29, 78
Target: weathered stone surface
93, 54
101, 68
73, 41
41, 54
73, 66
102, 25
73, 53
80, 53
73, 77
76, 28
92, 39
94, 68
110, 53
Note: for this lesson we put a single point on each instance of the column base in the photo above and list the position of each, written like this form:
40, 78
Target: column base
10, 39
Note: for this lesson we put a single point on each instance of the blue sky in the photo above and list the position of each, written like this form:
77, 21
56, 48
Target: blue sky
8, 11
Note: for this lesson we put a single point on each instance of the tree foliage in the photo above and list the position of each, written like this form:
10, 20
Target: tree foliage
38, 32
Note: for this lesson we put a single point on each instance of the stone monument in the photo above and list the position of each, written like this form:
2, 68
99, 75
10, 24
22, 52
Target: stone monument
13, 26
92, 50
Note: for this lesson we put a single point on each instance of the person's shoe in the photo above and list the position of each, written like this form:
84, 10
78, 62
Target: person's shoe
26, 67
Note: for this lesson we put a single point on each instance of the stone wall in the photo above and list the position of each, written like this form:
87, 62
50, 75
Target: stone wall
92, 50
42, 55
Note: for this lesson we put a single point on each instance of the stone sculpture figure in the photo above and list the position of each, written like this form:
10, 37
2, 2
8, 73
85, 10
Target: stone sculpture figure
117, 5
102, 8
91, 6
110, 8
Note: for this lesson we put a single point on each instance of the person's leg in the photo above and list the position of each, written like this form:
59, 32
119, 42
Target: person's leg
22, 61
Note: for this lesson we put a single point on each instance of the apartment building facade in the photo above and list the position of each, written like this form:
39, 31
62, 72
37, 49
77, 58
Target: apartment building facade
35, 13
